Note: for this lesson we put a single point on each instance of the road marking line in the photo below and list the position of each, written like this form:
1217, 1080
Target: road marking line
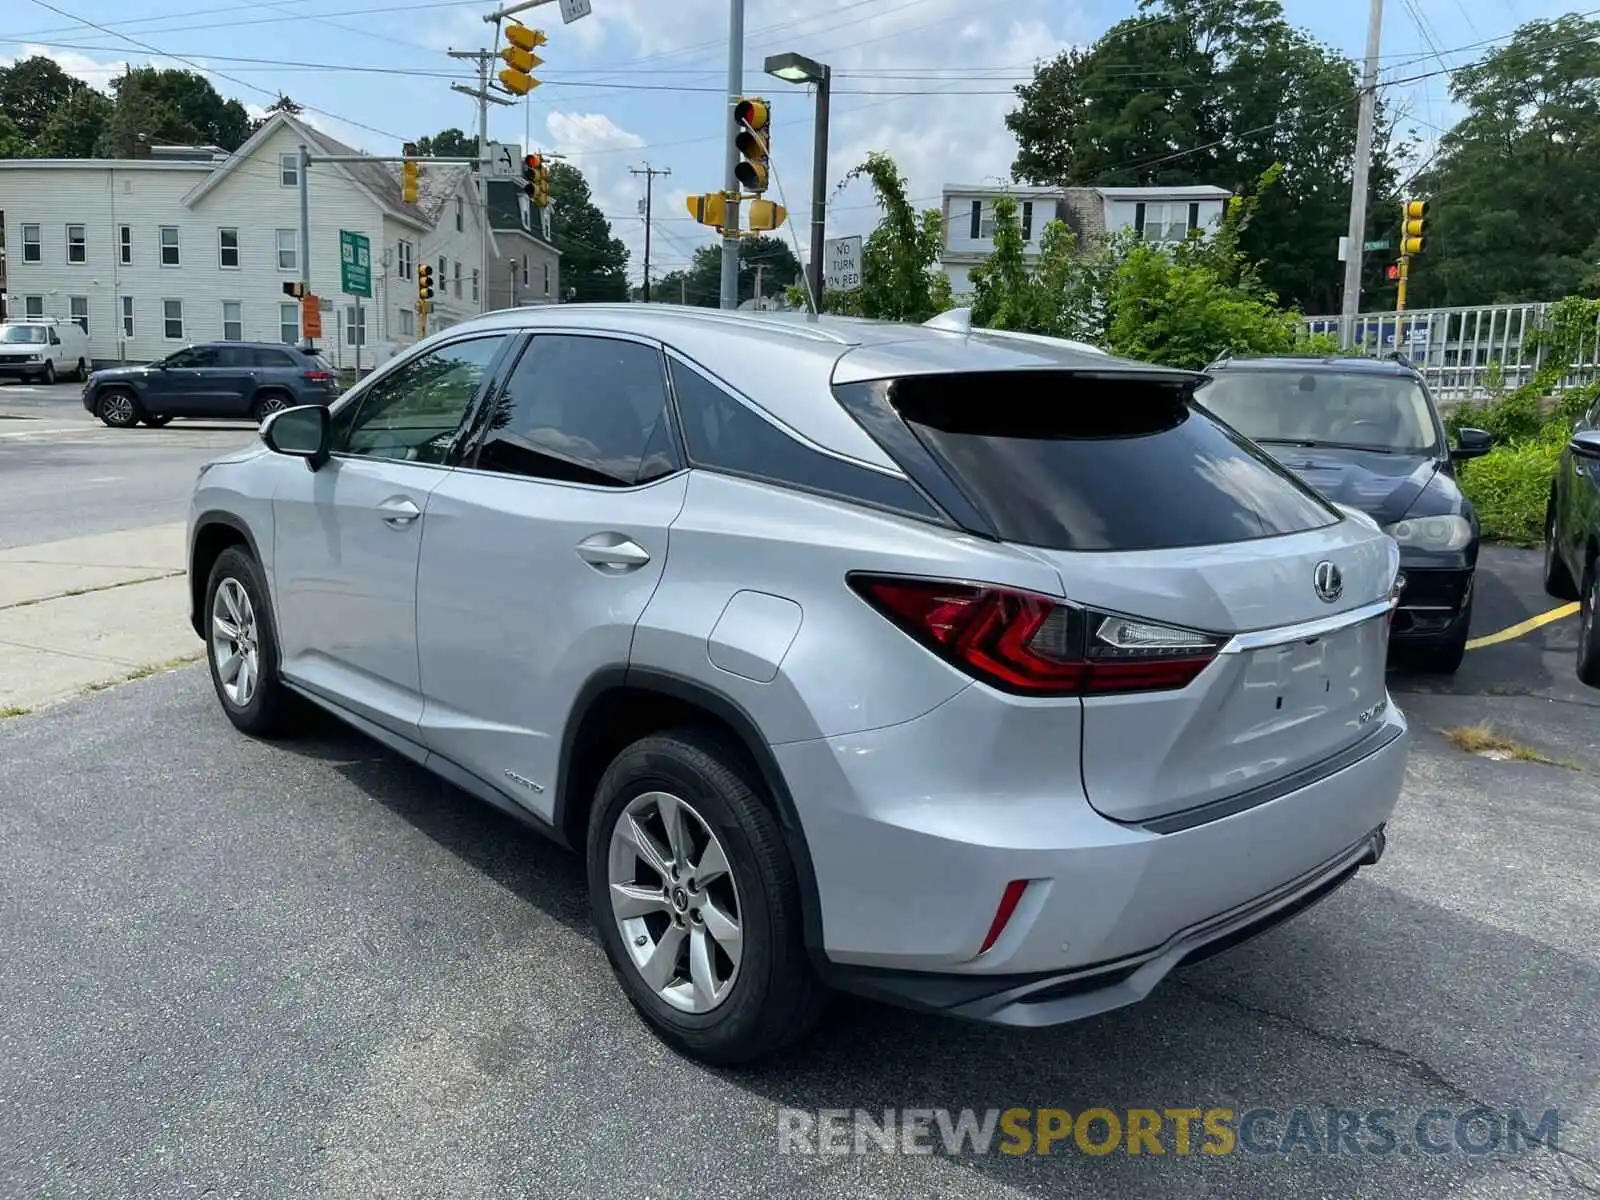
1522, 627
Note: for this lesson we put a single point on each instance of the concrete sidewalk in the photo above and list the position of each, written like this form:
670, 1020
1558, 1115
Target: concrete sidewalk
89, 612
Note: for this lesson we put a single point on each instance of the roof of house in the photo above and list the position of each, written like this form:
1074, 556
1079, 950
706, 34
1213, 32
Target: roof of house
505, 211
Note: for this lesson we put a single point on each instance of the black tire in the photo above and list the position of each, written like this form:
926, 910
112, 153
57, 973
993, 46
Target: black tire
1588, 637
775, 998
48, 375
119, 408
1442, 657
270, 402
271, 710
155, 422
1557, 578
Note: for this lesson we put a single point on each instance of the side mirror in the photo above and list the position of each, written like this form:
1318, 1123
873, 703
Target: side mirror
1586, 443
303, 432
1472, 443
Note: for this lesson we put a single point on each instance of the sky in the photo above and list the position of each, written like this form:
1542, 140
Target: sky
643, 82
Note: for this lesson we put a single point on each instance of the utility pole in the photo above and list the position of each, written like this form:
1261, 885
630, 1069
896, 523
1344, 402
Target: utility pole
485, 97
759, 268
305, 241
1359, 173
649, 174
730, 228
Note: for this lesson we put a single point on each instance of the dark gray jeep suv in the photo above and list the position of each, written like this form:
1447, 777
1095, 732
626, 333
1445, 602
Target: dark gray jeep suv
214, 379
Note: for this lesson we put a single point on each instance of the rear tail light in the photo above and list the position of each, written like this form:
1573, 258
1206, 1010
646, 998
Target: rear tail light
319, 376
1033, 645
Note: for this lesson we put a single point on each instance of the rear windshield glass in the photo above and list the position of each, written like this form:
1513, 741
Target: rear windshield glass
1069, 462
1359, 410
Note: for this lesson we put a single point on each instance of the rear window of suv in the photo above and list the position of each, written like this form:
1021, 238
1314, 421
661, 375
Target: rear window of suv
1070, 462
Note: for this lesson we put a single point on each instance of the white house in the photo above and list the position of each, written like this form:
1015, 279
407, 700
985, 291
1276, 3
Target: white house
152, 252
1159, 213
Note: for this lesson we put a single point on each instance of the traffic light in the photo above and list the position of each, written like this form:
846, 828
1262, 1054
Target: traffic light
408, 173
425, 285
1392, 272
753, 116
708, 209
536, 179
517, 75
1413, 229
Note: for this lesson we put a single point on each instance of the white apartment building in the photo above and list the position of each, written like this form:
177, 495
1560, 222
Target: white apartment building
148, 254
1160, 213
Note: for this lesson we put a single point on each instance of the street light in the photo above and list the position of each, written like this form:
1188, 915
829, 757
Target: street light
797, 68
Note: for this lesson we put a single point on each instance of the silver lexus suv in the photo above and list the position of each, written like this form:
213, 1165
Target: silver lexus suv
980, 673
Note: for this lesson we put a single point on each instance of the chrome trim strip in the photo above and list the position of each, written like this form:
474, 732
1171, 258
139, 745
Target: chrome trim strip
1259, 639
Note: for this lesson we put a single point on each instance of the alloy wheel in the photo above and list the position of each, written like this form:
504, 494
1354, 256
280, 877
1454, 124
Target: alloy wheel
676, 902
117, 408
235, 646
271, 405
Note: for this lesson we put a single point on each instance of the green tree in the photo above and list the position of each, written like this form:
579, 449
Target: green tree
12, 143
594, 264
700, 283
75, 127
170, 106
1515, 188
32, 89
1213, 92
900, 279
449, 143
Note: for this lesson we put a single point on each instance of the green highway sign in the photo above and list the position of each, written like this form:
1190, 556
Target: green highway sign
1377, 244
355, 264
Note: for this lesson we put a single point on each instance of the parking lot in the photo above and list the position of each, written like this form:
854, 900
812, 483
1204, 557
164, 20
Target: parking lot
311, 969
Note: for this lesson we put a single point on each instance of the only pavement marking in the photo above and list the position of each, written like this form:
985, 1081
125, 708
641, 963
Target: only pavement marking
1521, 627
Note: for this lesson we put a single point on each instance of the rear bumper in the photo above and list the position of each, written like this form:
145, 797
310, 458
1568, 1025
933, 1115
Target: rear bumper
915, 830
1052, 998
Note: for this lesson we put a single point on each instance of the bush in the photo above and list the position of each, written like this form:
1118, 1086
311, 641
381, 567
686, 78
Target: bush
1510, 487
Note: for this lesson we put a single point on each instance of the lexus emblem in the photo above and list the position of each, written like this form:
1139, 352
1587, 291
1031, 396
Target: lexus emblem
1328, 581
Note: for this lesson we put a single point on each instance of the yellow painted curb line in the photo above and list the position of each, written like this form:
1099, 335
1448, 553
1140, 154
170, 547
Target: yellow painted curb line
1522, 627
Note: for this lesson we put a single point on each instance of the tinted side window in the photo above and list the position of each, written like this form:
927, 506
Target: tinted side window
582, 410
263, 356
1067, 462
193, 356
413, 413
235, 356
723, 434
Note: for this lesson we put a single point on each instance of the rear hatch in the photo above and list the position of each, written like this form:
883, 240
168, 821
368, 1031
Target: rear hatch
1233, 621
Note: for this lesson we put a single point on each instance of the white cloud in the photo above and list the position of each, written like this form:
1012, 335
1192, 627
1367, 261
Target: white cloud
94, 72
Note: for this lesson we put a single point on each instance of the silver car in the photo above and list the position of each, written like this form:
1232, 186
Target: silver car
976, 672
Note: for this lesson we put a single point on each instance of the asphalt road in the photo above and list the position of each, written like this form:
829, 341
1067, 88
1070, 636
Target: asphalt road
64, 474
310, 969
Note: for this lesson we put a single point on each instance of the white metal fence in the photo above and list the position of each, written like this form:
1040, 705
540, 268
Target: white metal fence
1462, 351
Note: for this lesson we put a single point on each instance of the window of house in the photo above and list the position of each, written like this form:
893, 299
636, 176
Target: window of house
172, 320
402, 259
77, 244
288, 249
1027, 220
524, 270
1163, 222
582, 410
228, 249
127, 316
33, 307
78, 308
546, 279
443, 274
232, 321
171, 255
408, 322
125, 244
458, 279
289, 323
474, 283
459, 208
289, 170
32, 244
975, 220
355, 325
415, 412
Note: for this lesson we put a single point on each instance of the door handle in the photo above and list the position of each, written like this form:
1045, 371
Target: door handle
612, 550
398, 512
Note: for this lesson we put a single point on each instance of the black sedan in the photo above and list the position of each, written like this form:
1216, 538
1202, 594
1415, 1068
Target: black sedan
1367, 435
1572, 537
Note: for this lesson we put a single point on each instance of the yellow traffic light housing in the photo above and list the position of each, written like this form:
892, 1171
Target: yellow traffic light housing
767, 215
753, 116
1413, 228
408, 174
520, 59
708, 209
424, 285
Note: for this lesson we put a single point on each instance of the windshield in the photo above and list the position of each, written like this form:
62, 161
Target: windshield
23, 335
1321, 408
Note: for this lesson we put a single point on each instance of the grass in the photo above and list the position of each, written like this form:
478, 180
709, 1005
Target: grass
144, 672
1482, 739
13, 710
